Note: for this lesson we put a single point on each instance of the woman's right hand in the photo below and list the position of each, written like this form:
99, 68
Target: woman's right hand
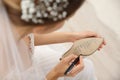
61, 67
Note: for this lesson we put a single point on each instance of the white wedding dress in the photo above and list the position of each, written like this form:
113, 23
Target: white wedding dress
106, 61
16, 61
14, 65
49, 57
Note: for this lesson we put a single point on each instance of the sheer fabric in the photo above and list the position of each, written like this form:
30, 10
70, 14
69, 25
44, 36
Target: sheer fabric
15, 59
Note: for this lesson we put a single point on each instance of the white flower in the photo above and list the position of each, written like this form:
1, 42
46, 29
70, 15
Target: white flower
51, 9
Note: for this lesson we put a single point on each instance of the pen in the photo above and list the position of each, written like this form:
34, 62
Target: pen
72, 65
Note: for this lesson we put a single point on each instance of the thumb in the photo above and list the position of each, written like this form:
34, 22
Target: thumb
70, 58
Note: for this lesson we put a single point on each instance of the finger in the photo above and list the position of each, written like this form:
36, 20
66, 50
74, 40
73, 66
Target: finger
97, 35
73, 72
76, 73
99, 49
104, 42
70, 58
92, 34
78, 67
81, 60
101, 46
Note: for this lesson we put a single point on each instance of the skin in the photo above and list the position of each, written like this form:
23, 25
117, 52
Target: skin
56, 72
59, 69
61, 37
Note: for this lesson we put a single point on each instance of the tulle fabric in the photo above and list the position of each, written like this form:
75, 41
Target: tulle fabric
15, 58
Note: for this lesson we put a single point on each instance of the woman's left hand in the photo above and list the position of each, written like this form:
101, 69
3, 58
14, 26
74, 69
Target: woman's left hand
87, 34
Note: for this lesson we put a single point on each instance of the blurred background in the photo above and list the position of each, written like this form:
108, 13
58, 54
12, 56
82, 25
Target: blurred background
103, 17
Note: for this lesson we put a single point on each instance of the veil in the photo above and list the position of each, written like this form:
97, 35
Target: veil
15, 59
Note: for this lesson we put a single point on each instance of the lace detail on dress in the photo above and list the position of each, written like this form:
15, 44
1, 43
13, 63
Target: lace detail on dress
33, 73
39, 72
31, 37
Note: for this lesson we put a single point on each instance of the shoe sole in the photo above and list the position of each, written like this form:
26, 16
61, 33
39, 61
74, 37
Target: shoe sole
84, 47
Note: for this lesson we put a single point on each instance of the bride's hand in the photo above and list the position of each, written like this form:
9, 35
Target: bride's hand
59, 69
87, 34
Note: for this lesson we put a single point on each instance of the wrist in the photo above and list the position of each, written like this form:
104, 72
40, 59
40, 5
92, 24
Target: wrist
74, 36
52, 75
